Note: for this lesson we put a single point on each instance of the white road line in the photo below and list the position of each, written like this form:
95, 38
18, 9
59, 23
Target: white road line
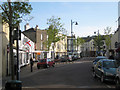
108, 86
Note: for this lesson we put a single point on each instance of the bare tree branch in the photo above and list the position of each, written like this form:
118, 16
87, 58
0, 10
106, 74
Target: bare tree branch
4, 10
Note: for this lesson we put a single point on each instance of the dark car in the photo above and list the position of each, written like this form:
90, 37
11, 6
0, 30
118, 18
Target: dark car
105, 69
97, 59
57, 59
75, 57
64, 58
45, 63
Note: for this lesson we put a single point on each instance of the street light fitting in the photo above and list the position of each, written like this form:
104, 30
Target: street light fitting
76, 23
94, 32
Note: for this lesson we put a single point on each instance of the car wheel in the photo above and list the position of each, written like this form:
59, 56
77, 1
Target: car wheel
53, 65
117, 84
94, 74
102, 78
38, 67
47, 66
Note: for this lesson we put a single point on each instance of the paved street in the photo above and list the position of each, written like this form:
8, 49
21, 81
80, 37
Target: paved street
64, 75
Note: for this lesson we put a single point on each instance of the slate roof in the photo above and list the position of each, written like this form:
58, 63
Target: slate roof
31, 34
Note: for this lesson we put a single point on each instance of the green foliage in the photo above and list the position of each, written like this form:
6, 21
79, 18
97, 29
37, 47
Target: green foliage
98, 42
108, 36
19, 10
56, 32
80, 41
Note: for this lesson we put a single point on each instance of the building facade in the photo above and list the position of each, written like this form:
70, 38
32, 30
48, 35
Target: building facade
26, 50
61, 47
71, 45
41, 38
4, 53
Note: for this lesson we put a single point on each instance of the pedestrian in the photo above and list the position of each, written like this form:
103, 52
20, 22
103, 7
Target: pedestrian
31, 64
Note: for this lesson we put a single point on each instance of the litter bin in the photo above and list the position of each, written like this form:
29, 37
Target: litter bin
13, 85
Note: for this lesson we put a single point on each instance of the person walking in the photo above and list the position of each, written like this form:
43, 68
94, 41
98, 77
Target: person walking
31, 64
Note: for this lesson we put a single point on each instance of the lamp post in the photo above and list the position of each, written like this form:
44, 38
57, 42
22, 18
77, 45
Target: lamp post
72, 34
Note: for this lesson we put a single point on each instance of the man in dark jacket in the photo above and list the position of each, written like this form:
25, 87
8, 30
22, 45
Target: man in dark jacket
31, 64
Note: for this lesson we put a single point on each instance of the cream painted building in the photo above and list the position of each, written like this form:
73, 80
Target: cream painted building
0, 53
4, 41
60, 48
88, 49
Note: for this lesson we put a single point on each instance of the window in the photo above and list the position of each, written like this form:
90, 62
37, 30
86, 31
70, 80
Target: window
116, 44
91, 48
69, 41
41, 37
57, 46
47, 37
69, 48
41, 45
20, 58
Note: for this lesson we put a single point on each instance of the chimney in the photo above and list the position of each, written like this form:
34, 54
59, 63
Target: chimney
36, 28
27, 26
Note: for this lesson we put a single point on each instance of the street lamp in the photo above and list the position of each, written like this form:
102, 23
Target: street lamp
72, 34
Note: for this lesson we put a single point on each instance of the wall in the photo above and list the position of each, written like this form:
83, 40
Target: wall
0, 53
39, 41
5, 59
114, 39
61, 47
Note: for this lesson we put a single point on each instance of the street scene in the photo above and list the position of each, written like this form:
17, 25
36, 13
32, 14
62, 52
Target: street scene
65, 75
59, 45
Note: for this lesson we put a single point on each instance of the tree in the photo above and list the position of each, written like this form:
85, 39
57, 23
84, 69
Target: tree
98, 43
12, 13
55, 32
80, 41
77, 42
108, 36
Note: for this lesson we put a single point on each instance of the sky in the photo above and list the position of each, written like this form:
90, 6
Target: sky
91, 16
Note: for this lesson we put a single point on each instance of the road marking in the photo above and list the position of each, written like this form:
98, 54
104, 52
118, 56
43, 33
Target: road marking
83, 86
108, 86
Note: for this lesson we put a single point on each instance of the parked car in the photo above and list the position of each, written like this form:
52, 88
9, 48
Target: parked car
45, 63
64, 58
105, 69
57, 60
118, 78
69, 58
97, 59
75, 57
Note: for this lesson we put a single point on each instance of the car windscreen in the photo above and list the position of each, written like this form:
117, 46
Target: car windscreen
109, 64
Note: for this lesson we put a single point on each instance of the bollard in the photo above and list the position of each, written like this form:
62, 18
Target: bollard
13, 85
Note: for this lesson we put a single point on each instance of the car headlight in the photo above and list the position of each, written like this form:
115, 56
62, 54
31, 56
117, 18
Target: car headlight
107, 73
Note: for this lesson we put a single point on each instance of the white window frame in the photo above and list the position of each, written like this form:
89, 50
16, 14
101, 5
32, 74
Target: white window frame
41, 37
